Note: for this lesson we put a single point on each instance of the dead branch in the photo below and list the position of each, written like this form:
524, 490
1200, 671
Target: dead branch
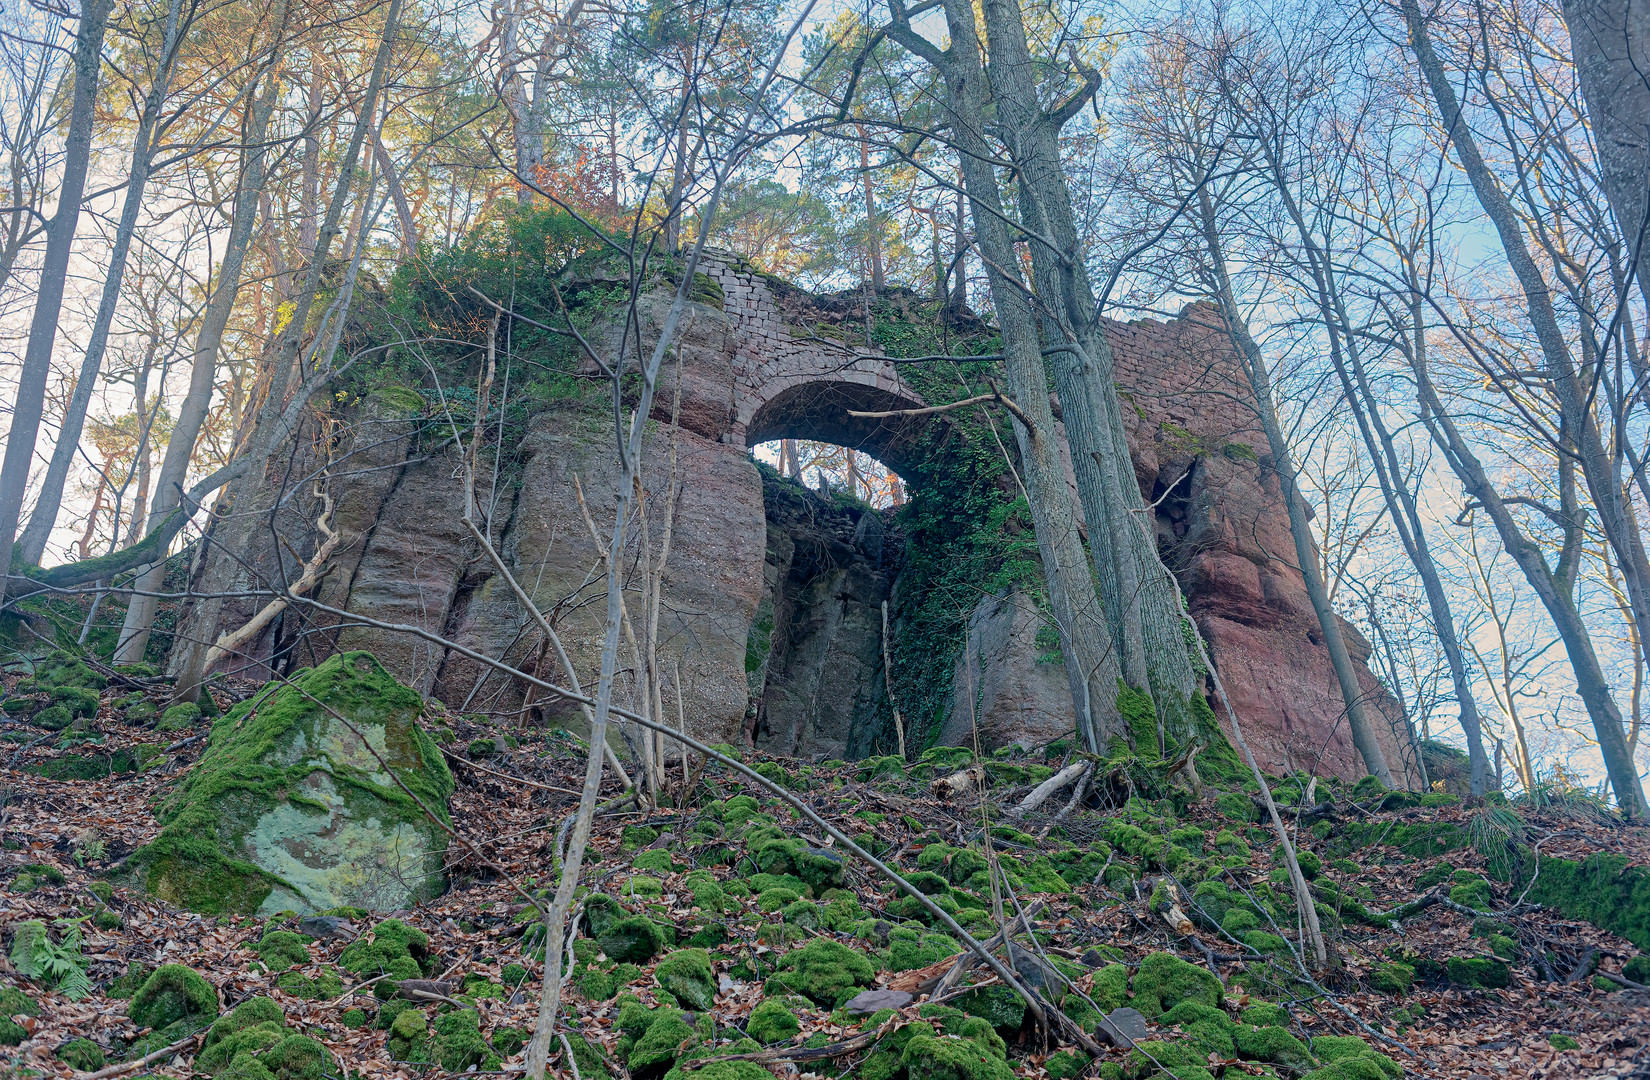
233, 640
1068, 775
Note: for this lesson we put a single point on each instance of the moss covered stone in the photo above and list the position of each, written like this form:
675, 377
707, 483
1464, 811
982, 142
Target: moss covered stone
392, 948
173, 993
457, 1043
82, 1054
688, 976
1392, 977
1348, 1057
292, 808
14, 1002
950, 1057
910, 948
1111, 987
1271, 1044
634, 939
185, 714
1164, 981
772, 1021
999, 1006
281, 949
1478, 971
826, 972
250, 1040
666, 1037
409, 1036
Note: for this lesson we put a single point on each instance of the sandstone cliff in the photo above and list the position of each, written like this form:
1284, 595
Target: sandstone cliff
772, 596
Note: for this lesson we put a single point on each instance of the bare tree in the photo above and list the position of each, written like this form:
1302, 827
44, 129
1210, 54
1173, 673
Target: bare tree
1580, 441
27, 410
33, 540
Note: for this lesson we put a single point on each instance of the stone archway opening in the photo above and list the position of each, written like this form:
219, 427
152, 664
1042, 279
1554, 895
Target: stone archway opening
830, 468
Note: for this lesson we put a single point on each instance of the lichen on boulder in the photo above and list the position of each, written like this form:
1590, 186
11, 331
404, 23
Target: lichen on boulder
311, 795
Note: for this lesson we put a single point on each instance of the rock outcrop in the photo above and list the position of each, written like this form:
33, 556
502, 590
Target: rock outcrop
774, 621
311, 795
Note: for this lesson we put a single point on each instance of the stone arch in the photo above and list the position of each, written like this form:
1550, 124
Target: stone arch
820, 410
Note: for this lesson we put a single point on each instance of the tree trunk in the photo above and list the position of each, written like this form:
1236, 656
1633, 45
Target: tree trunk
180, 447
1361, 399
1140, 598
1611, 42
74, 420
146, 423
1091, 667
29, 406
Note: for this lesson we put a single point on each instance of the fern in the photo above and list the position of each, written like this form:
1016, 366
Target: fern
29, 943
60, 966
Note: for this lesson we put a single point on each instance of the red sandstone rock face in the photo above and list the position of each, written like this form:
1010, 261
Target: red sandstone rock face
1227, 538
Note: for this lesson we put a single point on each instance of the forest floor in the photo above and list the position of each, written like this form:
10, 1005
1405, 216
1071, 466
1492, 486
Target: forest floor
711, 875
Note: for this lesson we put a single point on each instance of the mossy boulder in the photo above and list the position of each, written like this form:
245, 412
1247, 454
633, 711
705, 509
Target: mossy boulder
634, 939
173, 993
666, 1037
457, 1044
1347, 1057
82, 1054
13, 1002
1164, 981
291, 808
823, 971
185, 714
772, 1021
1392, 977
393, 949
688, 976
409, 1036
281, 949
952, 1057
1478, 971
1271, 1044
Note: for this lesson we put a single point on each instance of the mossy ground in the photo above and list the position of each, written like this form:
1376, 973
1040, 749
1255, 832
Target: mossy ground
745, 905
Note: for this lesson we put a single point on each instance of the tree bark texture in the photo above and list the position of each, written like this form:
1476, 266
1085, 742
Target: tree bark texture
1611, 44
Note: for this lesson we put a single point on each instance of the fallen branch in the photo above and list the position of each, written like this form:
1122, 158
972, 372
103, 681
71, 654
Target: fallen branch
803, 1053
506, 776
129, 1066
965, 962
233, 640
1039, 795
